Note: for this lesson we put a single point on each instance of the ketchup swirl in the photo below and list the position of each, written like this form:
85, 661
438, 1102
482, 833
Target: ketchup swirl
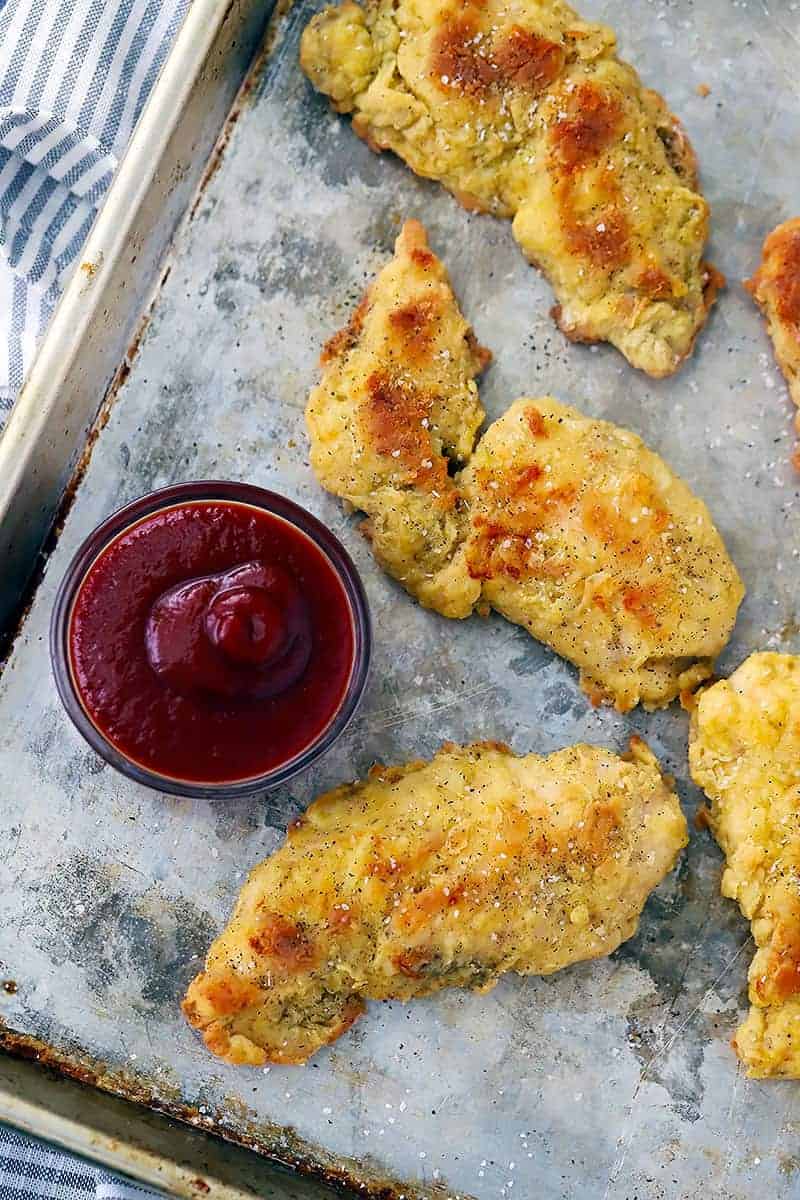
245, 633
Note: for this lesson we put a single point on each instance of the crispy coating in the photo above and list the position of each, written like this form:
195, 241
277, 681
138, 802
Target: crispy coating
585, 537
568, 526
522, 109
775, 287
437, 874
744, 752
396, 408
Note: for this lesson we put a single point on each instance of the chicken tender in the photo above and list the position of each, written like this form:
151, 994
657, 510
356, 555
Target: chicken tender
398, 408
522, 109
568, 526
436, 874
776, 289
585, 537
745, 753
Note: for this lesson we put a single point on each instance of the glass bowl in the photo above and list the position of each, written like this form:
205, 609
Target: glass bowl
172, 497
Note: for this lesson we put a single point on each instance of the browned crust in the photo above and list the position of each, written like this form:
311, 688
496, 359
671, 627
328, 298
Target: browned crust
520, 59
482, 354
774, 244
283, 941
775, 288
714, 282
345, 338
226, 995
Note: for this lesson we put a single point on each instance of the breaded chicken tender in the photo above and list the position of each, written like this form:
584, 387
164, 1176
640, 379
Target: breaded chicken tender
744, 752
397, 408
585, 537
776, 289
522, 109
436, 874
566, 525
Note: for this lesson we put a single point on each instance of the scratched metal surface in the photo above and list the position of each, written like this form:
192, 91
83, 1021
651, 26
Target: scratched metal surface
612, 1079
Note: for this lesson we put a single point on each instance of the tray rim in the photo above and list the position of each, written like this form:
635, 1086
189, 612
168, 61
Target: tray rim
84, 1120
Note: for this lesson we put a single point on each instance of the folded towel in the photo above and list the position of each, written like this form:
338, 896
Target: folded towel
74, 76
30, 1170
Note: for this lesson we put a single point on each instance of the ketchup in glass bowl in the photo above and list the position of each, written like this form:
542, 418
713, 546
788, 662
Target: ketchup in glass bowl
211, 639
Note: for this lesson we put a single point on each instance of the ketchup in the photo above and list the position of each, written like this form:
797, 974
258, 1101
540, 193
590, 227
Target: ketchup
211, 641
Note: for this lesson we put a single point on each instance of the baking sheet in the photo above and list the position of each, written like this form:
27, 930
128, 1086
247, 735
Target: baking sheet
610, 1079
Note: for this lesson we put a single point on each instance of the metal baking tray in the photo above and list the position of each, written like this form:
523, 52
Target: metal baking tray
608, 1080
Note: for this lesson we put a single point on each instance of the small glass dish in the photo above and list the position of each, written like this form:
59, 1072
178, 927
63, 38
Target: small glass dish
230, 496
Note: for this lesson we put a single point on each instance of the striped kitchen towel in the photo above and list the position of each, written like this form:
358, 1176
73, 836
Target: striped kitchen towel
74, 76
31, 1170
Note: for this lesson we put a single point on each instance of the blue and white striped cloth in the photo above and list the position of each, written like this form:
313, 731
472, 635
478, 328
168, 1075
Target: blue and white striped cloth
74, 76
31, 1170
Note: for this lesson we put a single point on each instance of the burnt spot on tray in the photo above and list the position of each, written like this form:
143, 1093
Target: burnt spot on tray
134, 948
236, 820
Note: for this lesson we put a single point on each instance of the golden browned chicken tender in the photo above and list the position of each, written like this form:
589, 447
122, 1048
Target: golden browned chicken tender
568, 526
585, 537
522, 109
396, 407
433, 875
744, 752
776, 289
